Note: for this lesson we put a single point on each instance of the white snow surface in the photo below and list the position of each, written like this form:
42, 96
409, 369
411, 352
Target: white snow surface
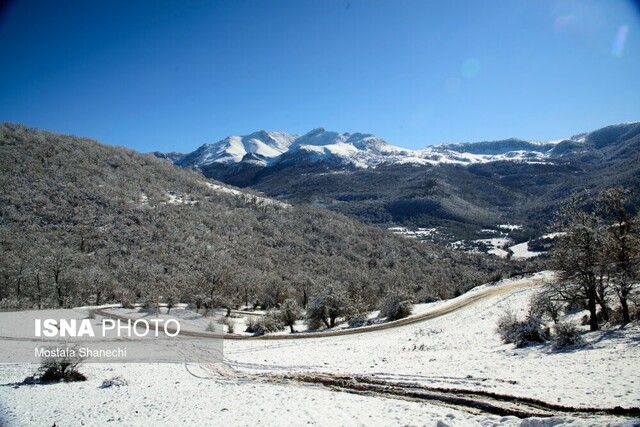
250, 197
180, 395
459, 349
419, 233
521, 251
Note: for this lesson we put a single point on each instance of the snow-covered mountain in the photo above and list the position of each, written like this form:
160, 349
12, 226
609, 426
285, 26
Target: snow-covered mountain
264, 148
258, 148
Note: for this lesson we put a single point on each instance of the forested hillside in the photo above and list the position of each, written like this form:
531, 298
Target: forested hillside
85, 223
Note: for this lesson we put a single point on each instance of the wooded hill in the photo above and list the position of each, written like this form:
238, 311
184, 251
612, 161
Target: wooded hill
86, 223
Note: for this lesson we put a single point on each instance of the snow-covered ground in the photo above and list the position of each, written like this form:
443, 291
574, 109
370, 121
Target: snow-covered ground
495, 246
521, 251
419, 233
178, 395
248, 196
459, 349
462, 349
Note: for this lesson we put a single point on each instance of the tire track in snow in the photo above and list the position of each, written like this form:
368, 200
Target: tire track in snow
475, 401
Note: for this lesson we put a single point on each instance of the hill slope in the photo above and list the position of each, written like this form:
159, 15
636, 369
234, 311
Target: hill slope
84, 223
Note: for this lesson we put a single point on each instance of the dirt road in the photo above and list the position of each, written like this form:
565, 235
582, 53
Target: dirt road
446, 308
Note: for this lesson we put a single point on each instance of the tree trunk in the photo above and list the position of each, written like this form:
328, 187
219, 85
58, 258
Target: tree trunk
626, 318
19, 282
291, 327
39, 294
593, 313
326, 322
604, 309
602, 298
60, 295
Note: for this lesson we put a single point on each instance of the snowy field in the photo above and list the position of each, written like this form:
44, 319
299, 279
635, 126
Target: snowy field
459, 349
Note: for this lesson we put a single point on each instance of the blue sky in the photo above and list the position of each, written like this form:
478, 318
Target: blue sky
172, 75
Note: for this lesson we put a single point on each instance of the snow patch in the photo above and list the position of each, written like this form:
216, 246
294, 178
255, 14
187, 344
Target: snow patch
251, 198
521, 251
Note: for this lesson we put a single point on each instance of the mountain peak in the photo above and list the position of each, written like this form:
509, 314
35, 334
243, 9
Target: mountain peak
316, 131
260, 145
261, 134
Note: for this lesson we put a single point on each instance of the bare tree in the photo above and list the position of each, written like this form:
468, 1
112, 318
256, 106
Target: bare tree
290, 312
622, 244
578, 256
327, 307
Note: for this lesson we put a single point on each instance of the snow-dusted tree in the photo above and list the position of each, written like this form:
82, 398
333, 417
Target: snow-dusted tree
396, 305
170, 295
547, 303
332, 303
578, 256
622, 244
58, 264
290, 312
273, 293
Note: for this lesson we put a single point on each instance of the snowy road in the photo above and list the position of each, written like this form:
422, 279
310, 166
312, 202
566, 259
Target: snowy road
474, 295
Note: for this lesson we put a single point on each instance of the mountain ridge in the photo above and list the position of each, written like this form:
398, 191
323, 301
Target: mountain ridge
266, 149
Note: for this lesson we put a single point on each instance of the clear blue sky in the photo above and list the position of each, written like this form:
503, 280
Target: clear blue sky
171, 75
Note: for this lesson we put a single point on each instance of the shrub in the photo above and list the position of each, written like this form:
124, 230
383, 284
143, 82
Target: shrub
73, 375
507, 326
358, 319
230, 323
330, 305
260, 325
358, 314
395, 310
521, 333
114, 382
566, 335
396, 306
211, 327
251, 322
62, 368
315, 317
530, 331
